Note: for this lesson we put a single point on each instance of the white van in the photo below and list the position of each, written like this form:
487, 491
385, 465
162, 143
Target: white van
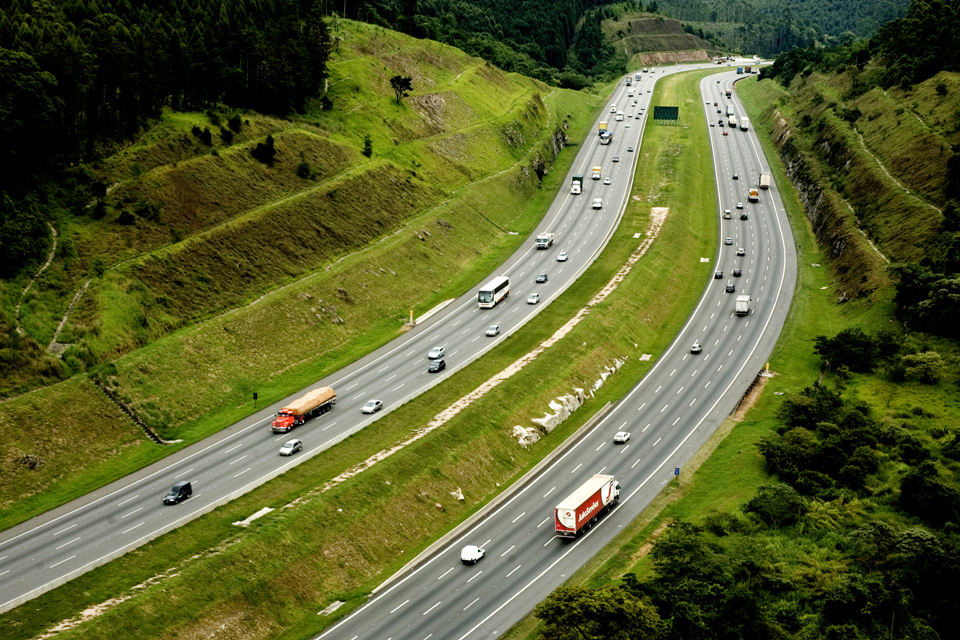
619, 115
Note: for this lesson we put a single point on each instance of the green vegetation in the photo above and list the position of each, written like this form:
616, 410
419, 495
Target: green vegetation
270, 579
277, 279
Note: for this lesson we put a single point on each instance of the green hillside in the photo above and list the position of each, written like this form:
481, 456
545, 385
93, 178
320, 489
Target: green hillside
649, 39
210, 266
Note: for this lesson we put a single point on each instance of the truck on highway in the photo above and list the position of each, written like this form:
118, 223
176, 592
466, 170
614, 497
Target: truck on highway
315, 402
602, 129
753, 196
619, 116
748, 69
732, 122
744, 123
581, 509
728, 93
739, 71
764, 180
596, 173
545, 240
606, 137
730, 111
576, 186
743, 304
629, 81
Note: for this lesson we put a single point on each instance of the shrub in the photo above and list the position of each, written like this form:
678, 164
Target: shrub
234, 123
265, 152
367, 146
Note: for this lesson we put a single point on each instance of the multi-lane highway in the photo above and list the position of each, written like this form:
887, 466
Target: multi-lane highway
66, 542
670, 414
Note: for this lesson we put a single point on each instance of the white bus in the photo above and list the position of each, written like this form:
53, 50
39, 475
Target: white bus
493, 292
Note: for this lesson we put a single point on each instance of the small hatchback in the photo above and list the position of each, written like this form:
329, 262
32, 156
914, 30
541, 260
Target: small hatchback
696, 348
533, 298
493, 331
542, 277
728, 241
290, 447
178, 493
436, 366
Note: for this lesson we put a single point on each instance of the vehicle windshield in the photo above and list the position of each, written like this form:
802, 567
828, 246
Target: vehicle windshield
486, 296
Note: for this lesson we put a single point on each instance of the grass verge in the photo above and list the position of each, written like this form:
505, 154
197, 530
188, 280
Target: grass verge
270, 579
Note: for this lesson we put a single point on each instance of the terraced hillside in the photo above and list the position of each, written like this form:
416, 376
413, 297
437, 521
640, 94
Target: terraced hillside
212, 274
649, 39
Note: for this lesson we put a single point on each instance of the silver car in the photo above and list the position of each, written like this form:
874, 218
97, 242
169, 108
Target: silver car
290, 447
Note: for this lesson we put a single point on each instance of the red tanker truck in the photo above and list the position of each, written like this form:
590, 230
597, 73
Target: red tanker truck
582, 508
296, 413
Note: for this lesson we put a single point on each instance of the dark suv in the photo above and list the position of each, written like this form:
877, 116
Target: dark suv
436, 366
178, 493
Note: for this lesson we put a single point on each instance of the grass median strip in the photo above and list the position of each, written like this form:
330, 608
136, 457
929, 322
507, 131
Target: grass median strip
271, 578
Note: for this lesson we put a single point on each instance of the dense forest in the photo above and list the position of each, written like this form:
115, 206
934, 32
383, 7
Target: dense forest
76, 74
769, 27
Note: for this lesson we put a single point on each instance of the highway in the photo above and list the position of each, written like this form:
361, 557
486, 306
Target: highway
66, 542
670, 413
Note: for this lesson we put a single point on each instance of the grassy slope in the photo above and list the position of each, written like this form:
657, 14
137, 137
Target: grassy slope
264, 349
272, 577
730, 469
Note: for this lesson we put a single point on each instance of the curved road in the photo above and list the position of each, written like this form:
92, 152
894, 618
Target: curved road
57, 546
671, 413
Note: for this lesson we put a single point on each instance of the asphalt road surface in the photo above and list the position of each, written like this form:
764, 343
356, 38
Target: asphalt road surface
670, 414
57, 546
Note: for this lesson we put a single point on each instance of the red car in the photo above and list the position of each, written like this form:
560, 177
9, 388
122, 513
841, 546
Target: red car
724, 133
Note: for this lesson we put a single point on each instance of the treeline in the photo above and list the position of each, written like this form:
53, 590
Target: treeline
74, 74
769, 27
538, 38
904, 52
858, 538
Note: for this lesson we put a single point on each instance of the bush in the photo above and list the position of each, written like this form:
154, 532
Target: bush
927, 367
304, 171
777, 505
367, 146
852, 348
265, 152
226, 136
234, 123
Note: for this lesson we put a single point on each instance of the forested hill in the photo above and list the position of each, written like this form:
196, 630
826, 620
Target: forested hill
768, 27
80, 72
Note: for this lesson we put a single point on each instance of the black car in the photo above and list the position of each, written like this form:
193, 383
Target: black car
436, 365
736, 176
737, 273
542, 277
730, 287
178, 493
744, 216
718, 275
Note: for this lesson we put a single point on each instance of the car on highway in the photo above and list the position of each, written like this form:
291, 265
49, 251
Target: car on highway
621, 437
724, 133
727, 214
613, 109
372, 406
626, 126
731, 287
562, 257
736, 176
471, 554
744, 216
696, 348
728, 241
597, 203
542, 277
630, 149
616, 158
436, 352
493, 331
741, 252
714, 104
533, 298
737, 273
606, 180
739, 205
178, 493
436, 366
718, 275
712, 125
290, 447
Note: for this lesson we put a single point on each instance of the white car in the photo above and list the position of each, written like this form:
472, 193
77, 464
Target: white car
621, 437
372, 406
290, 447
597, 203
436, 353
606, 181
696, 348
493, 330
533, 298
471, 554
562, 257
739, 205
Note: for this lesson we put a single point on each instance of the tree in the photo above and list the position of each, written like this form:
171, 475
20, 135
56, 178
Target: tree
851, 347
928, 367
777, 505
265, 152
402, 85
608, 613
367, 145
23, 235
